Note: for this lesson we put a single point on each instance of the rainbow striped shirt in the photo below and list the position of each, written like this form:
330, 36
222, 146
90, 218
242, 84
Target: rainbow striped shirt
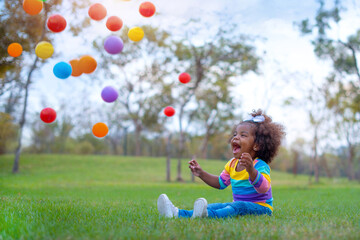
258, 191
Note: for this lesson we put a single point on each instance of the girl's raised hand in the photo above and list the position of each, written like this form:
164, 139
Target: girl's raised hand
247, 161
195, 167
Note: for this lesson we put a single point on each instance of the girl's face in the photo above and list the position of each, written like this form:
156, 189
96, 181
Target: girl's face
243, 140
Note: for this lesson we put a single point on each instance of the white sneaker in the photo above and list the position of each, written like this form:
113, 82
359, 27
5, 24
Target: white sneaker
166, 207
200, 208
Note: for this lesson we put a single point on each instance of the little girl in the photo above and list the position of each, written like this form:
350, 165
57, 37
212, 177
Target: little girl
255, 142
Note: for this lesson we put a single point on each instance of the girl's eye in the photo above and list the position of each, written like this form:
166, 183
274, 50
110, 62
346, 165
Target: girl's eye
235, 133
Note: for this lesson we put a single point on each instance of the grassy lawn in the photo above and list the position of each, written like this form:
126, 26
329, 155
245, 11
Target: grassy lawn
108, 197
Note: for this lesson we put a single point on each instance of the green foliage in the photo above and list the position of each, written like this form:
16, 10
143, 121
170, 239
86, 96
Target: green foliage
84, 148
8, 131
97, 197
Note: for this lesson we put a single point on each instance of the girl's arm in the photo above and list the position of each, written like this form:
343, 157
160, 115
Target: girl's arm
209, 179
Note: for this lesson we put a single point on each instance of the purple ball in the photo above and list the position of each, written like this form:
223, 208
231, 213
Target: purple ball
113, 45
109, 94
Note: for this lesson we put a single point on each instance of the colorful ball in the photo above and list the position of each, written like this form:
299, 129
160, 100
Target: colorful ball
114, 23
169, 111
48, 115
136, 34
97, 12
76, 71
15, 49
56, 23
87, 64
113, 45
62, 70
32, 7
44, 50
184, 77
147, 9
100, 130
109, 94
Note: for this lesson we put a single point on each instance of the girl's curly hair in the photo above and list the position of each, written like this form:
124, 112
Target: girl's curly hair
268, 136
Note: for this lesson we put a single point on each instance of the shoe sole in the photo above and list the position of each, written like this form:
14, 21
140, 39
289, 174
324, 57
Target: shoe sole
200, 208
161, 204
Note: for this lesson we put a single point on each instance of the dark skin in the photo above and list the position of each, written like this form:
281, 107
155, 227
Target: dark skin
244, 149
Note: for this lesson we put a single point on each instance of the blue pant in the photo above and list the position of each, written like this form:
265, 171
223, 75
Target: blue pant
231, 209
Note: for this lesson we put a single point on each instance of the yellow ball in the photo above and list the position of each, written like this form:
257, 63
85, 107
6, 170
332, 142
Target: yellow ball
136, 34
44, 50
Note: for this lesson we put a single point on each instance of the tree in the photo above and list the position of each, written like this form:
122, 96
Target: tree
342, 96
141, 80
212, 64
28, 31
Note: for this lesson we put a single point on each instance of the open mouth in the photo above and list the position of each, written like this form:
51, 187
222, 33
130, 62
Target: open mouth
235, 147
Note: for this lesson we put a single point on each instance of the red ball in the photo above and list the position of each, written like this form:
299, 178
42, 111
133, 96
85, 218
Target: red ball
48, 115
147, 9
169, 111
184, 77
56, 23
114, 23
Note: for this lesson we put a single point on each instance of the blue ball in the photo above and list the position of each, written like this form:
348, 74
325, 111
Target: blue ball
62, 70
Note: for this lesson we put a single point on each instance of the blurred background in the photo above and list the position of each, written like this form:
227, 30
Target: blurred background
296, 61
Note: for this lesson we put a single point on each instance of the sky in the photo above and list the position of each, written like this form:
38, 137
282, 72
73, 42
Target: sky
288, 59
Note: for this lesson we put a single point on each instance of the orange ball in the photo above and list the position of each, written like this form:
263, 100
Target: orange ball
100, 130
97, 12
75, 68
114, 23
15, 49
32, 7
87, 64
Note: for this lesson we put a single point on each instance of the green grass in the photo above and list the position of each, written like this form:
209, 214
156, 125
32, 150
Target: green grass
108, 197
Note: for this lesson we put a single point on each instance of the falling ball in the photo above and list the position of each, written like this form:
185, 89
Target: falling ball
56, 23
76, 71
136, 34
114, 23
48, 115
32, 7
15, 49
169, 111
87, 64
147, 9
109, 94
62, 70
100, 130
97, 12
44, 50
113, 45
184, 77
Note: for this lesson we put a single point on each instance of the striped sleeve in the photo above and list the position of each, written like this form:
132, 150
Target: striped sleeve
262, 182
224, 178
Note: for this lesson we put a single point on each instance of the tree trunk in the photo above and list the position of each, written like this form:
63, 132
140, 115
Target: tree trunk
204, 148
168, 159
23, 114
181, 150
23, 119
138, 140
350, 165
125, 142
